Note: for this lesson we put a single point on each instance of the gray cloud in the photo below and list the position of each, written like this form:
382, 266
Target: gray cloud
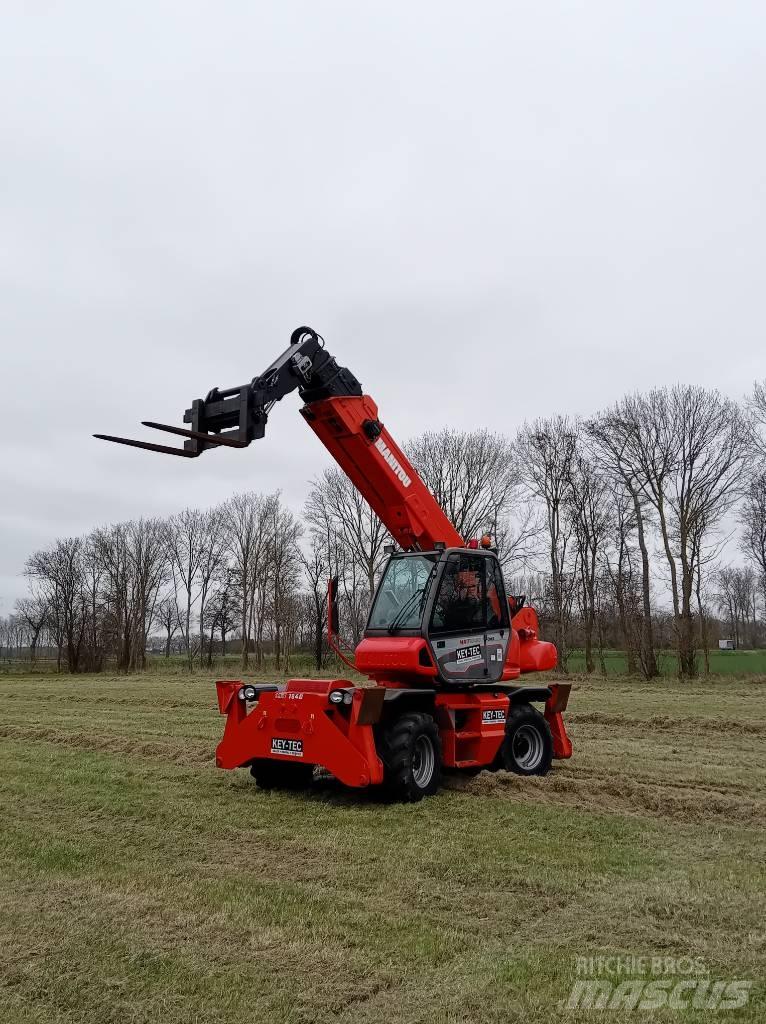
491, 211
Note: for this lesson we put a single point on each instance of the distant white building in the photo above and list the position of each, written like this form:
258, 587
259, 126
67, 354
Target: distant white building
727, 645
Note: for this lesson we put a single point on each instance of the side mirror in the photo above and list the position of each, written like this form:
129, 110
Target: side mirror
516, 603
333, 617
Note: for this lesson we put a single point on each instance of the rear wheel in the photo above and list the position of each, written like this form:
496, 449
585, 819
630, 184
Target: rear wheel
411, 755
271, 774
528, 745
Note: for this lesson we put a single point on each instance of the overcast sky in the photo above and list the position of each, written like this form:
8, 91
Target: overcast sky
491, 211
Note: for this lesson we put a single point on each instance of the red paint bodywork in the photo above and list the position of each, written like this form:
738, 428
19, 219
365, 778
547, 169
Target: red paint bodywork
338, 739
342, 739
331, 737
410, 512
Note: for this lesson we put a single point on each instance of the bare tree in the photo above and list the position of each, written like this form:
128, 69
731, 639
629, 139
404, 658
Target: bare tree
211, 564
247, 523
613, 435
132, 561
693, 444
58, 573
757, 406
149, 564
93, 574
292, 609
13, 636
33, 611
547, 450
737, 589
474, 476
222, 612
316, 572
337, 513
752, 520
686, 447
705, 556
111, 564
517, 537
284, 557
714, 443
169, 617
589, 511
618, 557
185, 538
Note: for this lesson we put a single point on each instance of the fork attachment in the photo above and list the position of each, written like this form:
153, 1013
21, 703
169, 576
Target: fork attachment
233, 417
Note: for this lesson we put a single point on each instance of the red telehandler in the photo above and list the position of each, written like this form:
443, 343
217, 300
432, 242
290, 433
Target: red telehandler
444, 646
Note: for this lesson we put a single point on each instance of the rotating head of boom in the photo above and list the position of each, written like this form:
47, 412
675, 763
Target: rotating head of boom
233, 417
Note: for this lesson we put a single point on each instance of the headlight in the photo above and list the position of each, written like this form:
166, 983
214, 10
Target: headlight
348, 697
248, 693
336, 696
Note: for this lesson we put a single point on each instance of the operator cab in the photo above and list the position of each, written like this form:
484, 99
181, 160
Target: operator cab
455, 599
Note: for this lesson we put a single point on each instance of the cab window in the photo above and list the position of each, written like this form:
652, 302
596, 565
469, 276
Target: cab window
403, 592
497, 606
461, 602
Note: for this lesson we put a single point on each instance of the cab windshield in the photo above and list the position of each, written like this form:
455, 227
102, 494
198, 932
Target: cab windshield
403, 592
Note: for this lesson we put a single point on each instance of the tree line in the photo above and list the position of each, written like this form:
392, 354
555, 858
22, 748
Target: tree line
613, 525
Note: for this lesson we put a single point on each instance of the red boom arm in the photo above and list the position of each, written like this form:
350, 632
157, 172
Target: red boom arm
349, 429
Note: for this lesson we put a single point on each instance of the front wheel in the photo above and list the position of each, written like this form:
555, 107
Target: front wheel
528, 745
411, 755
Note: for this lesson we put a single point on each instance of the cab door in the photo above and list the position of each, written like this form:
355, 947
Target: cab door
498, 632
467, 631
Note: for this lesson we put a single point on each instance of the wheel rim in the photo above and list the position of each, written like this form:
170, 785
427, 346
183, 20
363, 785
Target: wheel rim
423, 760
527, 747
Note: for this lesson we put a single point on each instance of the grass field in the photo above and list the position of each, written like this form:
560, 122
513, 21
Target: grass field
725, 663
138, 883
728, 663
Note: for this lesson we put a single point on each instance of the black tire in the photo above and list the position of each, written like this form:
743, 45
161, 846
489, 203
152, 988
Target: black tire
528, 745
411, 752
270, 774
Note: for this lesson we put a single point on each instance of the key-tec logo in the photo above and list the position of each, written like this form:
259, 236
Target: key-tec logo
493, 715
292, 748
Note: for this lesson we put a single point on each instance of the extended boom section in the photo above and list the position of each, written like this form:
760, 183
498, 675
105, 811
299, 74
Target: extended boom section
352, 433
